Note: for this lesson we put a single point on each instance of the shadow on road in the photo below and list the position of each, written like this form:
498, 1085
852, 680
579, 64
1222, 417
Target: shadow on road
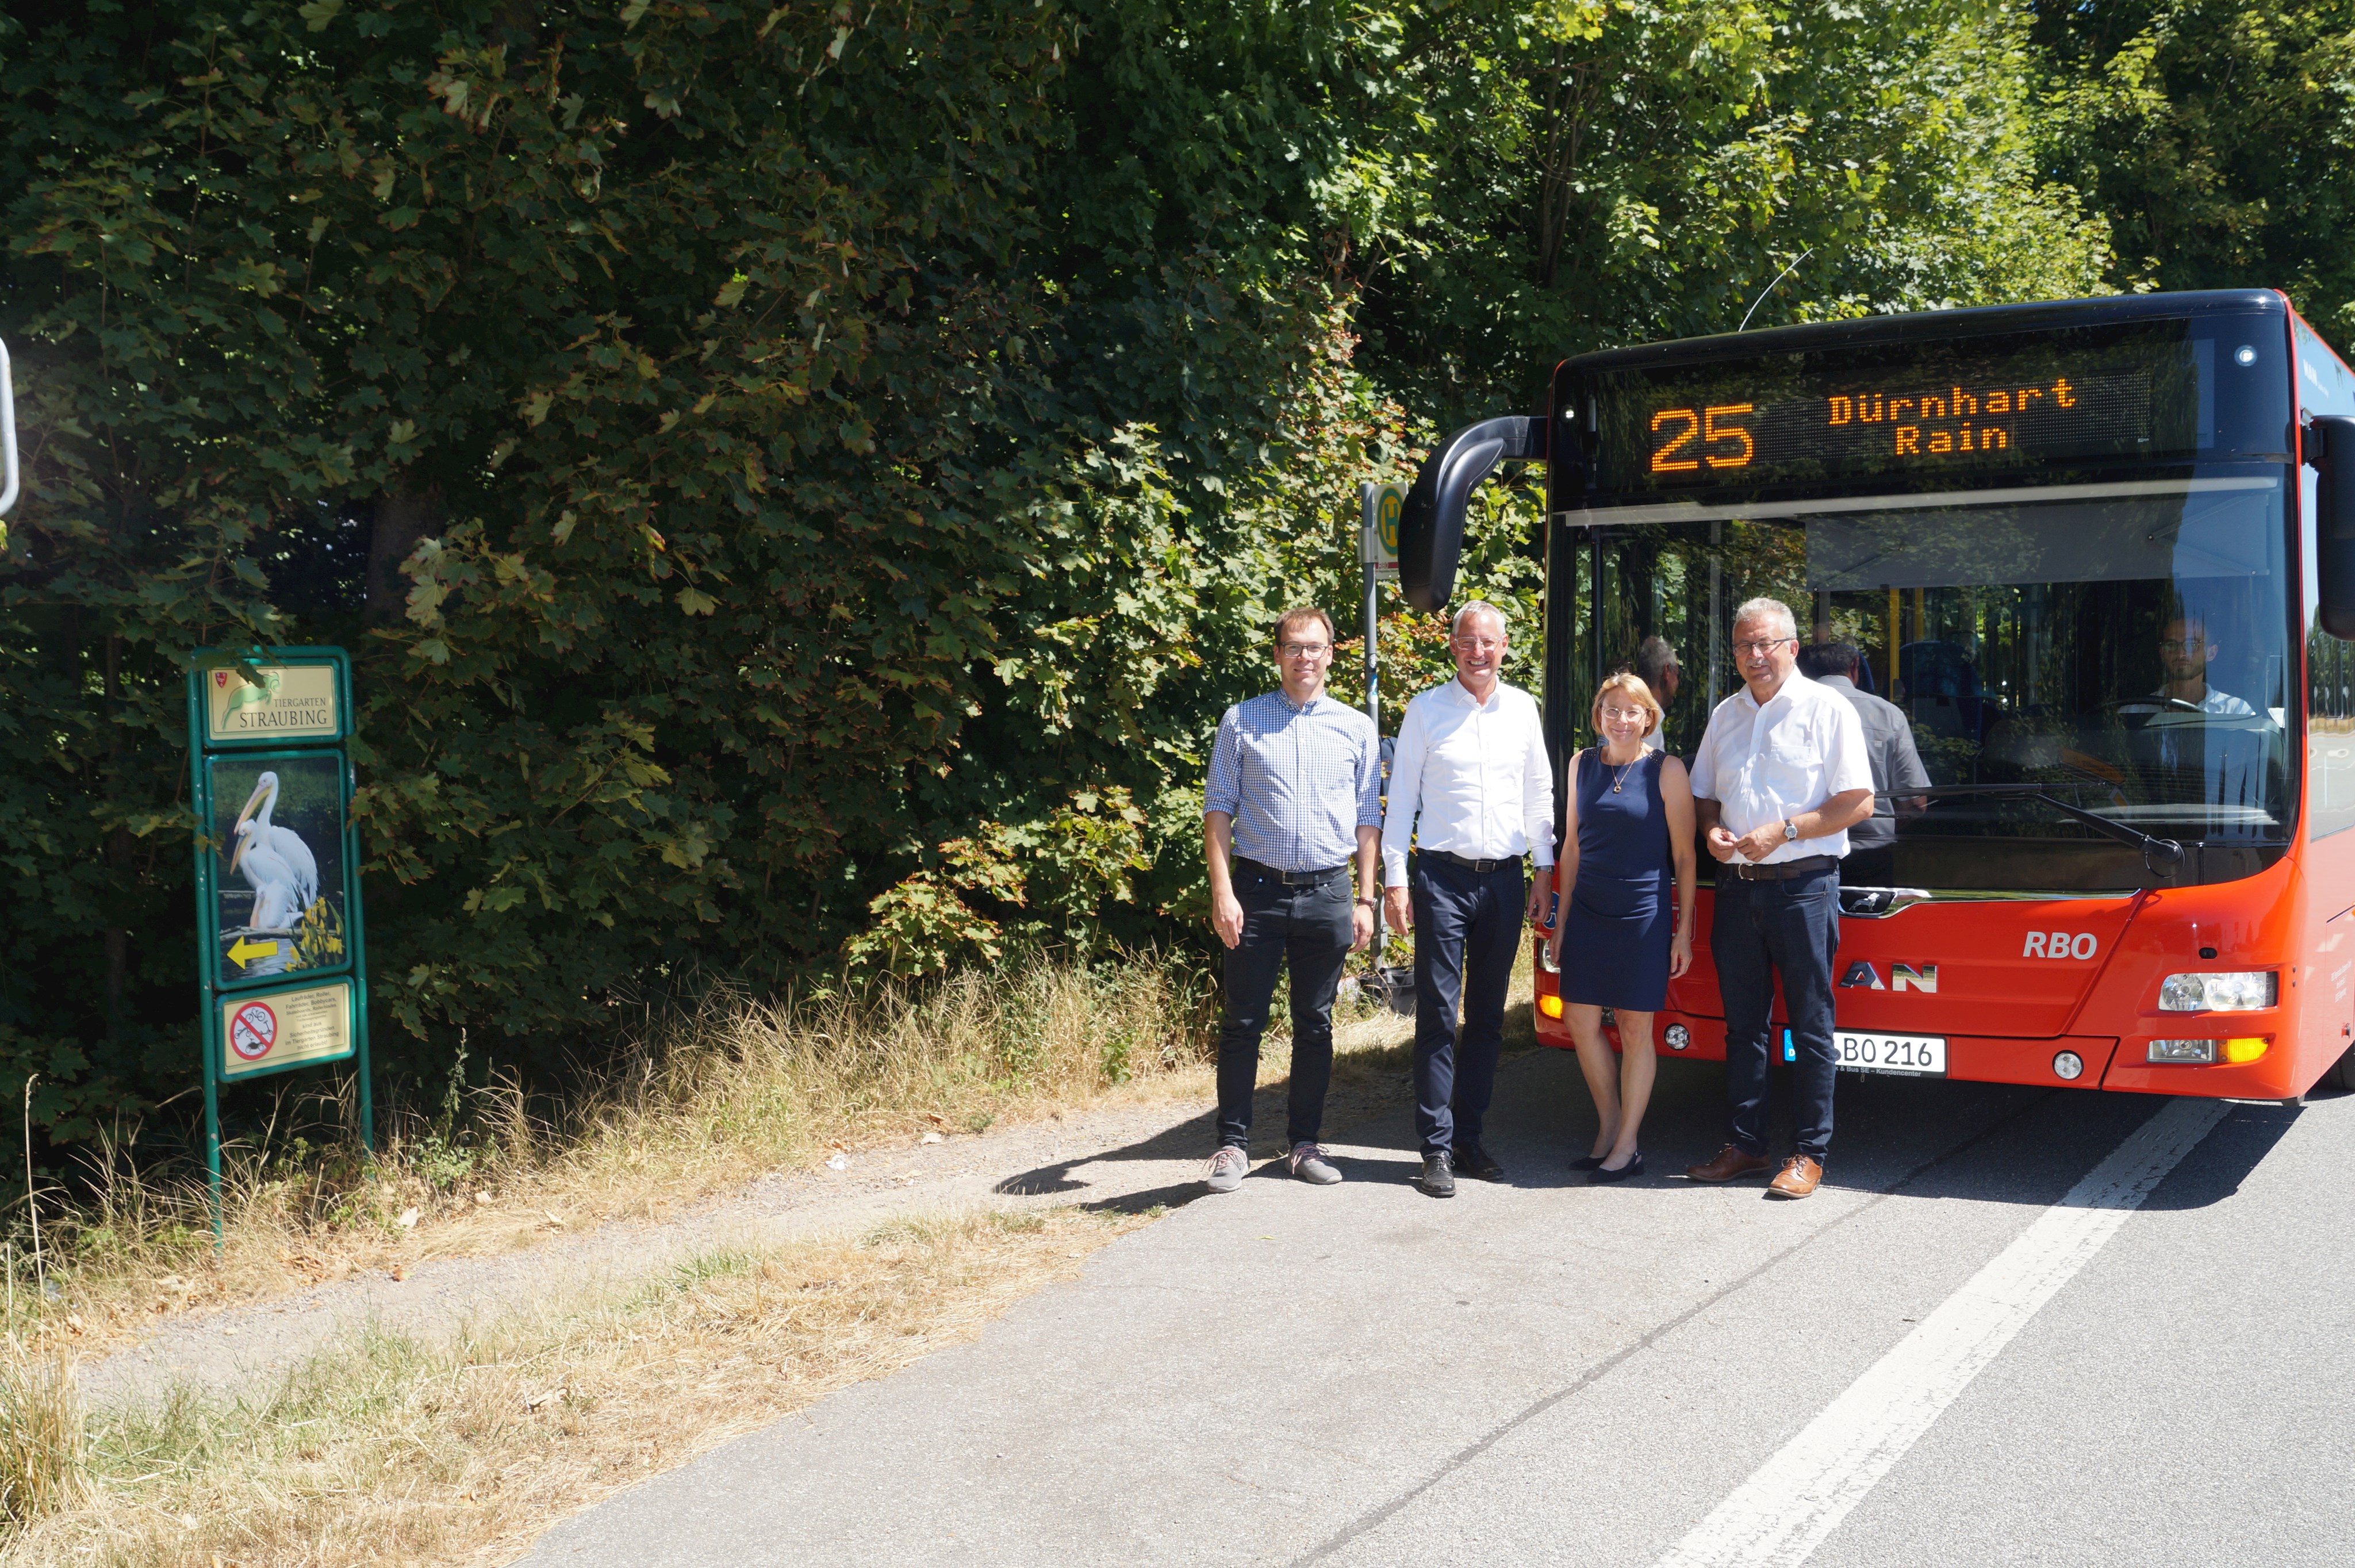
1924, 1138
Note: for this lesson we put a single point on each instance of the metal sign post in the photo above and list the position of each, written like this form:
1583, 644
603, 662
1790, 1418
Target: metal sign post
281, 960
1378, 553
1378, 537
9, 485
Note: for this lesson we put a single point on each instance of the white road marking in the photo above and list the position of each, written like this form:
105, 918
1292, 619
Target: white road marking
1780, 1515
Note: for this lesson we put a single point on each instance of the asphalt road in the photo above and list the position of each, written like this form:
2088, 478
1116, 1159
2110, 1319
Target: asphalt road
1968, 1349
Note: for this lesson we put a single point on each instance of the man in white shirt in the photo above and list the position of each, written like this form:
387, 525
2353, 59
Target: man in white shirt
2185, 652
1472, 788
1782, 775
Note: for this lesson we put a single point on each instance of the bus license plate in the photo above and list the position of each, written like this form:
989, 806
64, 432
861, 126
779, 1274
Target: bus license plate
1912, 1055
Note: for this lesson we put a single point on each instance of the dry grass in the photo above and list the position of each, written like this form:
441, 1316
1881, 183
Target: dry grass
698, 1103
395, 1449
44, 1447
389, 1450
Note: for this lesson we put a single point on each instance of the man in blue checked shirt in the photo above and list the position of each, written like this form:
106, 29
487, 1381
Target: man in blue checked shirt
1293, 801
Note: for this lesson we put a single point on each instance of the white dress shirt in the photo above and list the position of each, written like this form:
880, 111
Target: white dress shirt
1475, 773
2221, 702
1764, 764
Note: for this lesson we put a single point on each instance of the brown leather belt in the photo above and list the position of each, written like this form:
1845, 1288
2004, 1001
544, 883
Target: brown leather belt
1781, 870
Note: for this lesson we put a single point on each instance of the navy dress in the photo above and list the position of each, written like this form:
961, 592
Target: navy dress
1621, 919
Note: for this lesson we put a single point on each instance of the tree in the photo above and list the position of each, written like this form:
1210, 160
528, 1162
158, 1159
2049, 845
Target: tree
2219, 137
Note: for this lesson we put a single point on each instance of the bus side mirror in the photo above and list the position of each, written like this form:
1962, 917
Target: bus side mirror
2330, 452
1430, 524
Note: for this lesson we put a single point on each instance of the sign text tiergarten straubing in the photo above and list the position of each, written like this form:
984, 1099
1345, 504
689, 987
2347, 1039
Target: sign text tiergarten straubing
292, 702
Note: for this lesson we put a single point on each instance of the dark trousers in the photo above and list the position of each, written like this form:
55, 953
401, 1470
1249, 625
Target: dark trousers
1467, 931
1308, 926
1762, 930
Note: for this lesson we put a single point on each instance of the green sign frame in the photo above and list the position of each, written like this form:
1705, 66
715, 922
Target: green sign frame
281, 959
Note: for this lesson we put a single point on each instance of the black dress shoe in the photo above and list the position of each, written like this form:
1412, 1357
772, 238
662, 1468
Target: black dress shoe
1438, 1180
1587, 1162
1475, 1162
1635, 1167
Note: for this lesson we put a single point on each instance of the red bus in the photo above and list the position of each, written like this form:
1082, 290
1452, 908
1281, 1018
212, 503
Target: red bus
2135, 870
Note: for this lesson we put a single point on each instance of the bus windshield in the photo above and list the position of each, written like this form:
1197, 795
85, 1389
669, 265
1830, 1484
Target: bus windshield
2122, 644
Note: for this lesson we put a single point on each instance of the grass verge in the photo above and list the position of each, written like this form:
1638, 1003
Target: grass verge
387, 1449
697, 1102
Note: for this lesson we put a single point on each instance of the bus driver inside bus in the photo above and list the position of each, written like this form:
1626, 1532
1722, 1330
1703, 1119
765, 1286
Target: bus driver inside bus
2186, 652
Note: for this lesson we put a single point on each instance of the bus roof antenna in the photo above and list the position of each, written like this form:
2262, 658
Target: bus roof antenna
1770, 288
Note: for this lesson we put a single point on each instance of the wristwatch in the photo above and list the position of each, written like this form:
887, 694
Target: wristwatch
1790, 830
1371, 904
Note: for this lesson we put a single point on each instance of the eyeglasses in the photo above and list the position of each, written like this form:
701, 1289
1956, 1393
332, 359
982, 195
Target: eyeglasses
1761, 649
2184, 645
1303, 650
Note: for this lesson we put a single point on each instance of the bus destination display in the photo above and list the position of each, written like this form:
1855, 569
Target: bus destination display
1931, 408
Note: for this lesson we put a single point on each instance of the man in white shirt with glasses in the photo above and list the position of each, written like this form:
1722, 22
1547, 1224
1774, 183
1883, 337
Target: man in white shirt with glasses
1782, 775
1472, 789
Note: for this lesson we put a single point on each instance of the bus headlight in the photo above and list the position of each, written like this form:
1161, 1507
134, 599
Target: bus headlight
1549, 1006
2181, 1051
2201, 1052
2218, 991
1678, 1037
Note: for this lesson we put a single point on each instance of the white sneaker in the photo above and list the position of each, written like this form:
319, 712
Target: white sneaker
1228, 1168
1311, 1164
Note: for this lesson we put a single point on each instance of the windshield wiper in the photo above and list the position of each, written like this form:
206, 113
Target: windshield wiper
2161, 856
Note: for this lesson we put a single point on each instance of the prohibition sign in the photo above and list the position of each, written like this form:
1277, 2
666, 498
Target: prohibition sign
253, 1031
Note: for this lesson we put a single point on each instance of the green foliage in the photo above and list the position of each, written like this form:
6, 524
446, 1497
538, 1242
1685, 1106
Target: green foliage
801, 482
2218, 138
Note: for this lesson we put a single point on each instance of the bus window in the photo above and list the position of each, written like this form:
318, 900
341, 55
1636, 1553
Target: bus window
2129, 646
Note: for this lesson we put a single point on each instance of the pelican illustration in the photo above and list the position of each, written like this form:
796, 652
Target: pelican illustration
283, 842
277, 899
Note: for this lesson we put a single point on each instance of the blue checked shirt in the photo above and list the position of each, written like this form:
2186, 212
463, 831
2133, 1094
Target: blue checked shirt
1298, 780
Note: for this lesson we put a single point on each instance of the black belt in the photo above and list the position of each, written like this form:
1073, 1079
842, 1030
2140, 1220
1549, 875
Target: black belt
1481, 867
1782, 870
1293, 879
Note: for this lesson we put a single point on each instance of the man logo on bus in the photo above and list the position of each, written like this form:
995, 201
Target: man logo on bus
2059, 945
1921, 977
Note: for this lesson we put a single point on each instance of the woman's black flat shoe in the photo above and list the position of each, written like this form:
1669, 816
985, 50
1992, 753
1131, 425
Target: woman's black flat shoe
1587, 1162
1635, 1167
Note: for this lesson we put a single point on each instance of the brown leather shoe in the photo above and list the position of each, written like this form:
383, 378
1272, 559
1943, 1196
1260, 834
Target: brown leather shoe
1730, 1164
1799, 1179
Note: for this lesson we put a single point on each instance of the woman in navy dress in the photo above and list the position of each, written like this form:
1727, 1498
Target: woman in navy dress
1617, 941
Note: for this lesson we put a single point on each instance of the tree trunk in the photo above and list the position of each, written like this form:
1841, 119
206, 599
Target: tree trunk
402, 518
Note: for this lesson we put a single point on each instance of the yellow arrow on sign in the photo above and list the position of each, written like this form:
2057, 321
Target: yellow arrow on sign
243, 952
